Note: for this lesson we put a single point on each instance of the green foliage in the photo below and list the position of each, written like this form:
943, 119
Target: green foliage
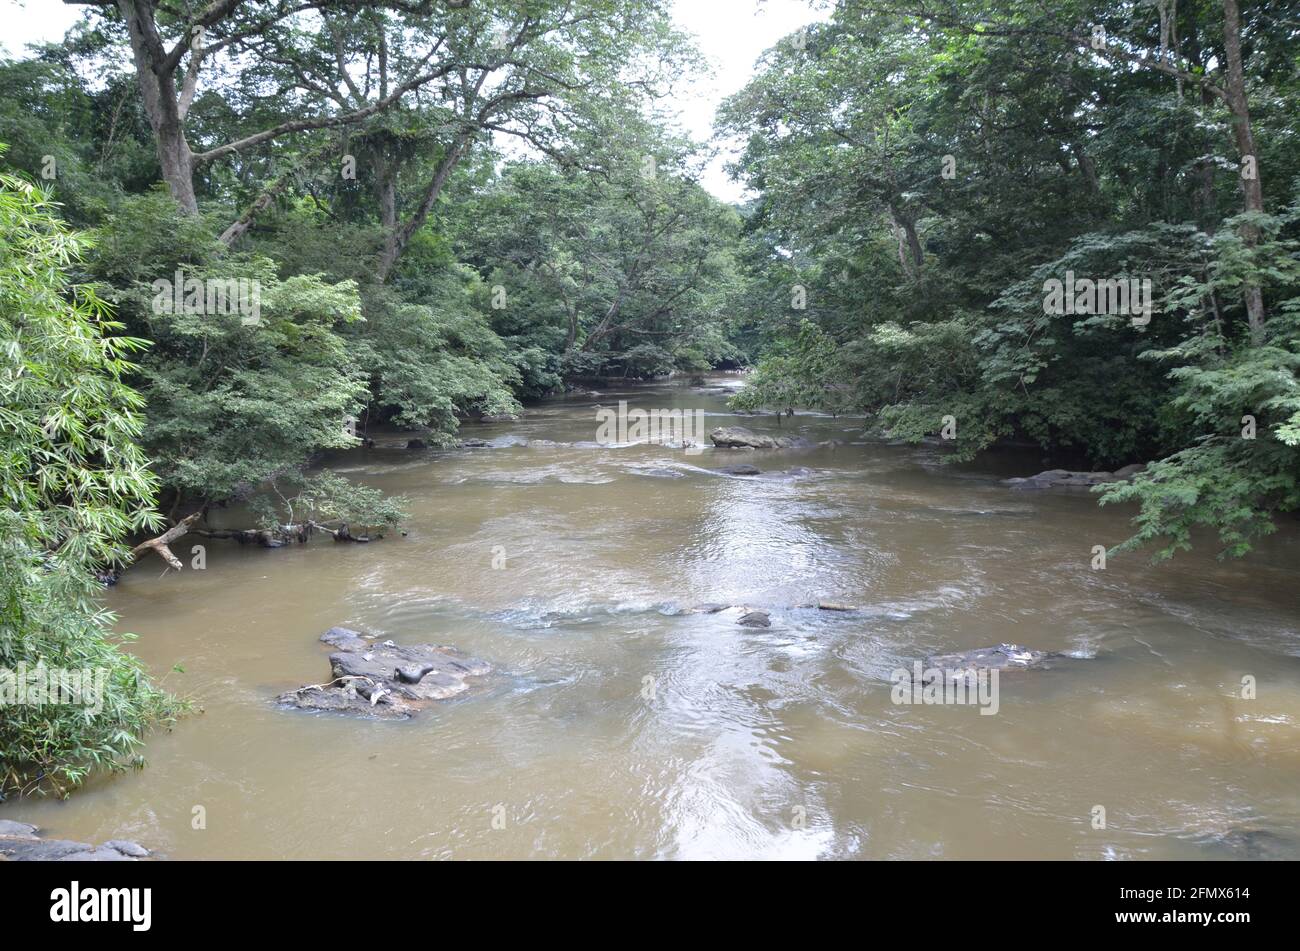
922, 176
328, 499
626, 273
74, 482
431, 364
235, 395
806, 373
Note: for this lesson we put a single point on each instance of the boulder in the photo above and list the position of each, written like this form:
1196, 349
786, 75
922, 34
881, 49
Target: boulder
385, 680
738, 437
755, 619
416, 444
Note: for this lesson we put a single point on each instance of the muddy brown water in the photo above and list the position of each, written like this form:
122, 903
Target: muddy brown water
615, 727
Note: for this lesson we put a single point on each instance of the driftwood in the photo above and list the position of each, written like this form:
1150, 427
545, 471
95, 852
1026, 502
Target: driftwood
277, 537
160, 544
283, 534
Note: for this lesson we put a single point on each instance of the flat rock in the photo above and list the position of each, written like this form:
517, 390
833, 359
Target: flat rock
383, 679
21, 842
1065, 478
738, 437
755, 619
475, 444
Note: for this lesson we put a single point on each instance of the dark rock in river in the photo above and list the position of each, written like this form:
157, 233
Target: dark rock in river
474, 444
21, 842
416, 444
755, 619
739, 470
738, 437
1064, 478
385, 680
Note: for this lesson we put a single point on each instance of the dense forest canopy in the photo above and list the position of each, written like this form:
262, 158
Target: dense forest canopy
445, 209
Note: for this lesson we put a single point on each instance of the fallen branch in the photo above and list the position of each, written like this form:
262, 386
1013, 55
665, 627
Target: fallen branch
340, 534
160, 544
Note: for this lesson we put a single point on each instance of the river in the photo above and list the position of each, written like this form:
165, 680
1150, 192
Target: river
616, 726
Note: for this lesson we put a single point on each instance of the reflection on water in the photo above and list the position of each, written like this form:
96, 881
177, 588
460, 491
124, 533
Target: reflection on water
622, 725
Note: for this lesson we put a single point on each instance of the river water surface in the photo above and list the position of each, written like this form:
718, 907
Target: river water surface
617, 727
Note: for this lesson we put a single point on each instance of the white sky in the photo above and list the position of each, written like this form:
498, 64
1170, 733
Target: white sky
731, 33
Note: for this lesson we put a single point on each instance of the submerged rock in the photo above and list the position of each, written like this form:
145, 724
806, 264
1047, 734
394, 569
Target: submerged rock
385, 680
739, 470
474, 444
755, 619
738, 437
21, 842
659, 472
1252, 845
1001, 657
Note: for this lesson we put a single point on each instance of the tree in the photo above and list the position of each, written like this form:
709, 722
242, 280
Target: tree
162, 40
1025, 143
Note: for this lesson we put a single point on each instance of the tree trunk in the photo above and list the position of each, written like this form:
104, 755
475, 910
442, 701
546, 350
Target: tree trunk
1252, 191
177, 167
396, 240
161, 105
910, 253
240, 226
